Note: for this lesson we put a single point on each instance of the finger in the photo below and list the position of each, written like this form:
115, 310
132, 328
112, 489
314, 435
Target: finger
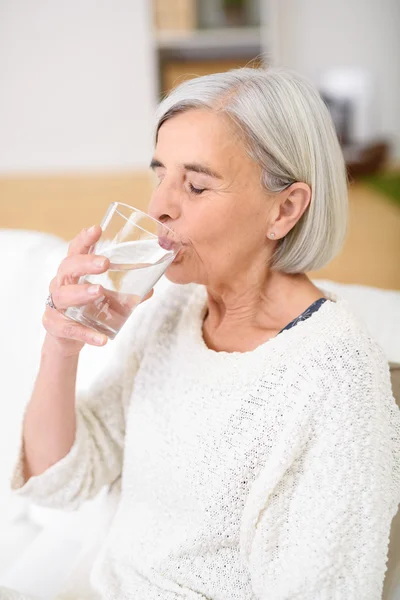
76, 295
53, 285
77, 265
84, 240
63, 328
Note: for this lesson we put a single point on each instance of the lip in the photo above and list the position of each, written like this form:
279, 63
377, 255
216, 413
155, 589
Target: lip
166, 243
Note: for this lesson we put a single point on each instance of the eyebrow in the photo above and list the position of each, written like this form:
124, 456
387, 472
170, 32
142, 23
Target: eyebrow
195, 167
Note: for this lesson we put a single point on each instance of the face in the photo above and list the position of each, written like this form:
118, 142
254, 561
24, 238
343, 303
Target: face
209, 192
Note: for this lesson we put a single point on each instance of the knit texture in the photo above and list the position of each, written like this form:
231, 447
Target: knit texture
272, 474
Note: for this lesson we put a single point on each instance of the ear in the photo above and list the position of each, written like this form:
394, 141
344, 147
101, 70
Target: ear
291, 205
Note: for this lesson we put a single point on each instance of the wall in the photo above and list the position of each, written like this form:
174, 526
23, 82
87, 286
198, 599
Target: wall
314, 35
77, 85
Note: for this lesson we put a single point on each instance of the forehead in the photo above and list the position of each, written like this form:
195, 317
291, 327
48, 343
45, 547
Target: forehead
200, 131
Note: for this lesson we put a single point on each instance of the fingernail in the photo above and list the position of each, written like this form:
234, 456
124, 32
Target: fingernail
93, 290
98, 339
100, 262
91, 229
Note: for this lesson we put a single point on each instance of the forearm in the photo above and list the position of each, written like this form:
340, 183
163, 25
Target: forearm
50, 423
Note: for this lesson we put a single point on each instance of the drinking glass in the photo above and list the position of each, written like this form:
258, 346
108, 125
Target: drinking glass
139, 249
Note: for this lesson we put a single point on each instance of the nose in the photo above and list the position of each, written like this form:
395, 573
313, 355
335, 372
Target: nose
164, 205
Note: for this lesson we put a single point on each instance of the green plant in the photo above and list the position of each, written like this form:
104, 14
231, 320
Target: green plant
386, 183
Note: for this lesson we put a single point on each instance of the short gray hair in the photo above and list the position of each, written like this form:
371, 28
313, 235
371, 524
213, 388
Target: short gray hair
288, 130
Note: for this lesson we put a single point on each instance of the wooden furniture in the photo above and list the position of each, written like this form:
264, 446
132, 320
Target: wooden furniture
184, 51
179, 15
64, 204
174, 71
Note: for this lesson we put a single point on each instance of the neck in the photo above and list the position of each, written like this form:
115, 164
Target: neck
242, 315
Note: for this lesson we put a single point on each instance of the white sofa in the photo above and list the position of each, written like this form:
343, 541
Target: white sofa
44, 552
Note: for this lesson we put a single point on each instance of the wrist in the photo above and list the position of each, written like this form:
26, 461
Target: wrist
61, 348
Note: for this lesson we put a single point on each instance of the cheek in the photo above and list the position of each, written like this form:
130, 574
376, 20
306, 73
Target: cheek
210, 222
223, 227
201, 228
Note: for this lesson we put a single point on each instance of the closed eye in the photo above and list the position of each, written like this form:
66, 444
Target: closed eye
195, 190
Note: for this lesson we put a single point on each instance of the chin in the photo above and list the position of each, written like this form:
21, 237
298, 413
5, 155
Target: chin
182, 270
178, 273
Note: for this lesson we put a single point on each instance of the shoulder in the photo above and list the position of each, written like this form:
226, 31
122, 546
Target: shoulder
337, 345
351, 405
351, 373
340, 367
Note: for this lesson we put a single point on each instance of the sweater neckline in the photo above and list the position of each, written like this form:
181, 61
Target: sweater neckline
198, 312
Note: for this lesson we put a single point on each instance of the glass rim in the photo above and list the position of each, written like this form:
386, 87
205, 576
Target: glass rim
148, 217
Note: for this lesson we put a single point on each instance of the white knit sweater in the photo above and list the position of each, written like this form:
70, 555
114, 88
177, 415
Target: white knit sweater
272, 474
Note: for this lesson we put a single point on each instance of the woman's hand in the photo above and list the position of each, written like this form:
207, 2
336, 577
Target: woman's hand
66, 336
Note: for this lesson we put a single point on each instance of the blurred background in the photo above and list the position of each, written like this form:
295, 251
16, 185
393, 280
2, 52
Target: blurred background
80, 80
79, 84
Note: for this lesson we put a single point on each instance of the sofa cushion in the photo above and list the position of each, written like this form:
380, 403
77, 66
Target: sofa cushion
391, 590
395, 377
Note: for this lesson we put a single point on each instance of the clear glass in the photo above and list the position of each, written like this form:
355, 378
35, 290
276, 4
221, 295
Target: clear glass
140, 249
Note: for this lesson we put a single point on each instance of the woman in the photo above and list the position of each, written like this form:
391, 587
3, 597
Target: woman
250, 415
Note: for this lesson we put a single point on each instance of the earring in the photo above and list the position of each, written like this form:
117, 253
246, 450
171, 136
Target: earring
271, 235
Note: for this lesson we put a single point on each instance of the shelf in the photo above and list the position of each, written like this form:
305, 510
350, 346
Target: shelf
204, 38
206, 43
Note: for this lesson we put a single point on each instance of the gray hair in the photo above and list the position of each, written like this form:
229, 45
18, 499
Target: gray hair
289, 132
